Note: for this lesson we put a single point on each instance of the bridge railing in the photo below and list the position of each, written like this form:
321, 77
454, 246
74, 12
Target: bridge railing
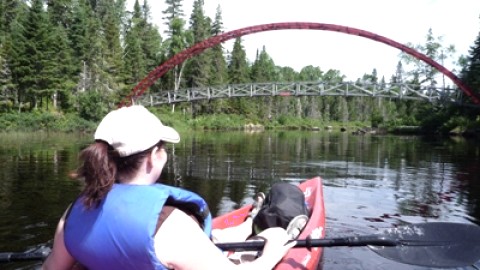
296, 89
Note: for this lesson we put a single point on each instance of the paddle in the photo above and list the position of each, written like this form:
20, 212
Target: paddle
437, 244
36, 255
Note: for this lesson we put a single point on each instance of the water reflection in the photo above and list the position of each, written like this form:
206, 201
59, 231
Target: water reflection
370, 182
418, 176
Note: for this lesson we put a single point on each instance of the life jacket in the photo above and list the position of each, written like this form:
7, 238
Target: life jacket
119, 233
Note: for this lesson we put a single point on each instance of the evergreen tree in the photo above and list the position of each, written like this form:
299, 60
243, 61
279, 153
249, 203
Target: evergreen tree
3, 20
134, 60
100, 66
342, 113
399, 73
471, 73
284, 105
6, 82
174, 11
12, 47
60, 69
359, 108
238, 72
152, 40
238, 69
111, 14
177, 43
35, 66
78, 33
263, 68
94, 76
371, 78
9, 10
60, 12
60, 65
199, 66
332, 108
219, 74
83, 25
142, 46
307, 106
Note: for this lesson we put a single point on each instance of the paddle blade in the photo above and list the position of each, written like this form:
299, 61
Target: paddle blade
437, 244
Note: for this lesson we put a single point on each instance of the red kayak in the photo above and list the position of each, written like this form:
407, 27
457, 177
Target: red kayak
296, 258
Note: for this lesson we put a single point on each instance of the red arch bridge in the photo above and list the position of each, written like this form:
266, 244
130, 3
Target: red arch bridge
299, 88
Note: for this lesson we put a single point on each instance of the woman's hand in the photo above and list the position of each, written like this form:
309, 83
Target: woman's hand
277, 243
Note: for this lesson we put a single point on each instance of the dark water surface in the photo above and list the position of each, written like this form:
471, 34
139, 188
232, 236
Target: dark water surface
370, 182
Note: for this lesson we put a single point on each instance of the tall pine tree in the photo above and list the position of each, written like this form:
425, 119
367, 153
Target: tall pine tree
219, 71
199, 67
152, 40
238, 73
13, 16
177, 41
263, 70
143, 46
219, 74
471, 73
35, 79
61, 67
60, 12
111, 14
134, 60
174, 11
238, 69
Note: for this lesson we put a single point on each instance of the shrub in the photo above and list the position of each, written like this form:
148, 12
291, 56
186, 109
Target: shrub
92, 106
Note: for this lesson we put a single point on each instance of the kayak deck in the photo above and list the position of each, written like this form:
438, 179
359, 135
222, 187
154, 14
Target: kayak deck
296, 258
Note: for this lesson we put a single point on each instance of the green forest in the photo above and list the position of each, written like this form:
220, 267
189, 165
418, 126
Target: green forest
65, 63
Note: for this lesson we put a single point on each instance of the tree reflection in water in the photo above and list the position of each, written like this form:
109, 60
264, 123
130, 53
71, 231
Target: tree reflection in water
370, 182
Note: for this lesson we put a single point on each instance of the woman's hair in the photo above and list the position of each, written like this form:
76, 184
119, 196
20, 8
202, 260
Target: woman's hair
101, 166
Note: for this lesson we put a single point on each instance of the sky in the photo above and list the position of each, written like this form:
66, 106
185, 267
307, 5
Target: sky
404, 21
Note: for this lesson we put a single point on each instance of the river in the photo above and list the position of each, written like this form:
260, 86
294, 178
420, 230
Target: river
370, 182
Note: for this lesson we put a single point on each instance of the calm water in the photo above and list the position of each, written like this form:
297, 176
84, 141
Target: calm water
370, 182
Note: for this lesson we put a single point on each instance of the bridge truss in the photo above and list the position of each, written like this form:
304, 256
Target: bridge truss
318, 88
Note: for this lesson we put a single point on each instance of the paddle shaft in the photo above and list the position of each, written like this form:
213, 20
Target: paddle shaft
310, 243
238, 246
16, 257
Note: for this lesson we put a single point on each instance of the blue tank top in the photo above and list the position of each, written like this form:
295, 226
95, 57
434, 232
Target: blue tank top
119, 233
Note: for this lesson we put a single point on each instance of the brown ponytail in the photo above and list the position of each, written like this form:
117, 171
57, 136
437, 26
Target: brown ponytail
101, 166
98, 169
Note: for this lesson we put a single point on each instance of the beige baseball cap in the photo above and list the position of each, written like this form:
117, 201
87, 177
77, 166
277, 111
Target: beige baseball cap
134, 129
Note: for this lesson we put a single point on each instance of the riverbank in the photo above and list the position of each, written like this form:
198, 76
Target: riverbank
56, 122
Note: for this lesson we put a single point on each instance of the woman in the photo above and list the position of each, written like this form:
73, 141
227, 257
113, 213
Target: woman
123, 219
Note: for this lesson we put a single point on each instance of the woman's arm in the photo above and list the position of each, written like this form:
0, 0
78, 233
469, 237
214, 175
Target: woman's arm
59, 259
181, 244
